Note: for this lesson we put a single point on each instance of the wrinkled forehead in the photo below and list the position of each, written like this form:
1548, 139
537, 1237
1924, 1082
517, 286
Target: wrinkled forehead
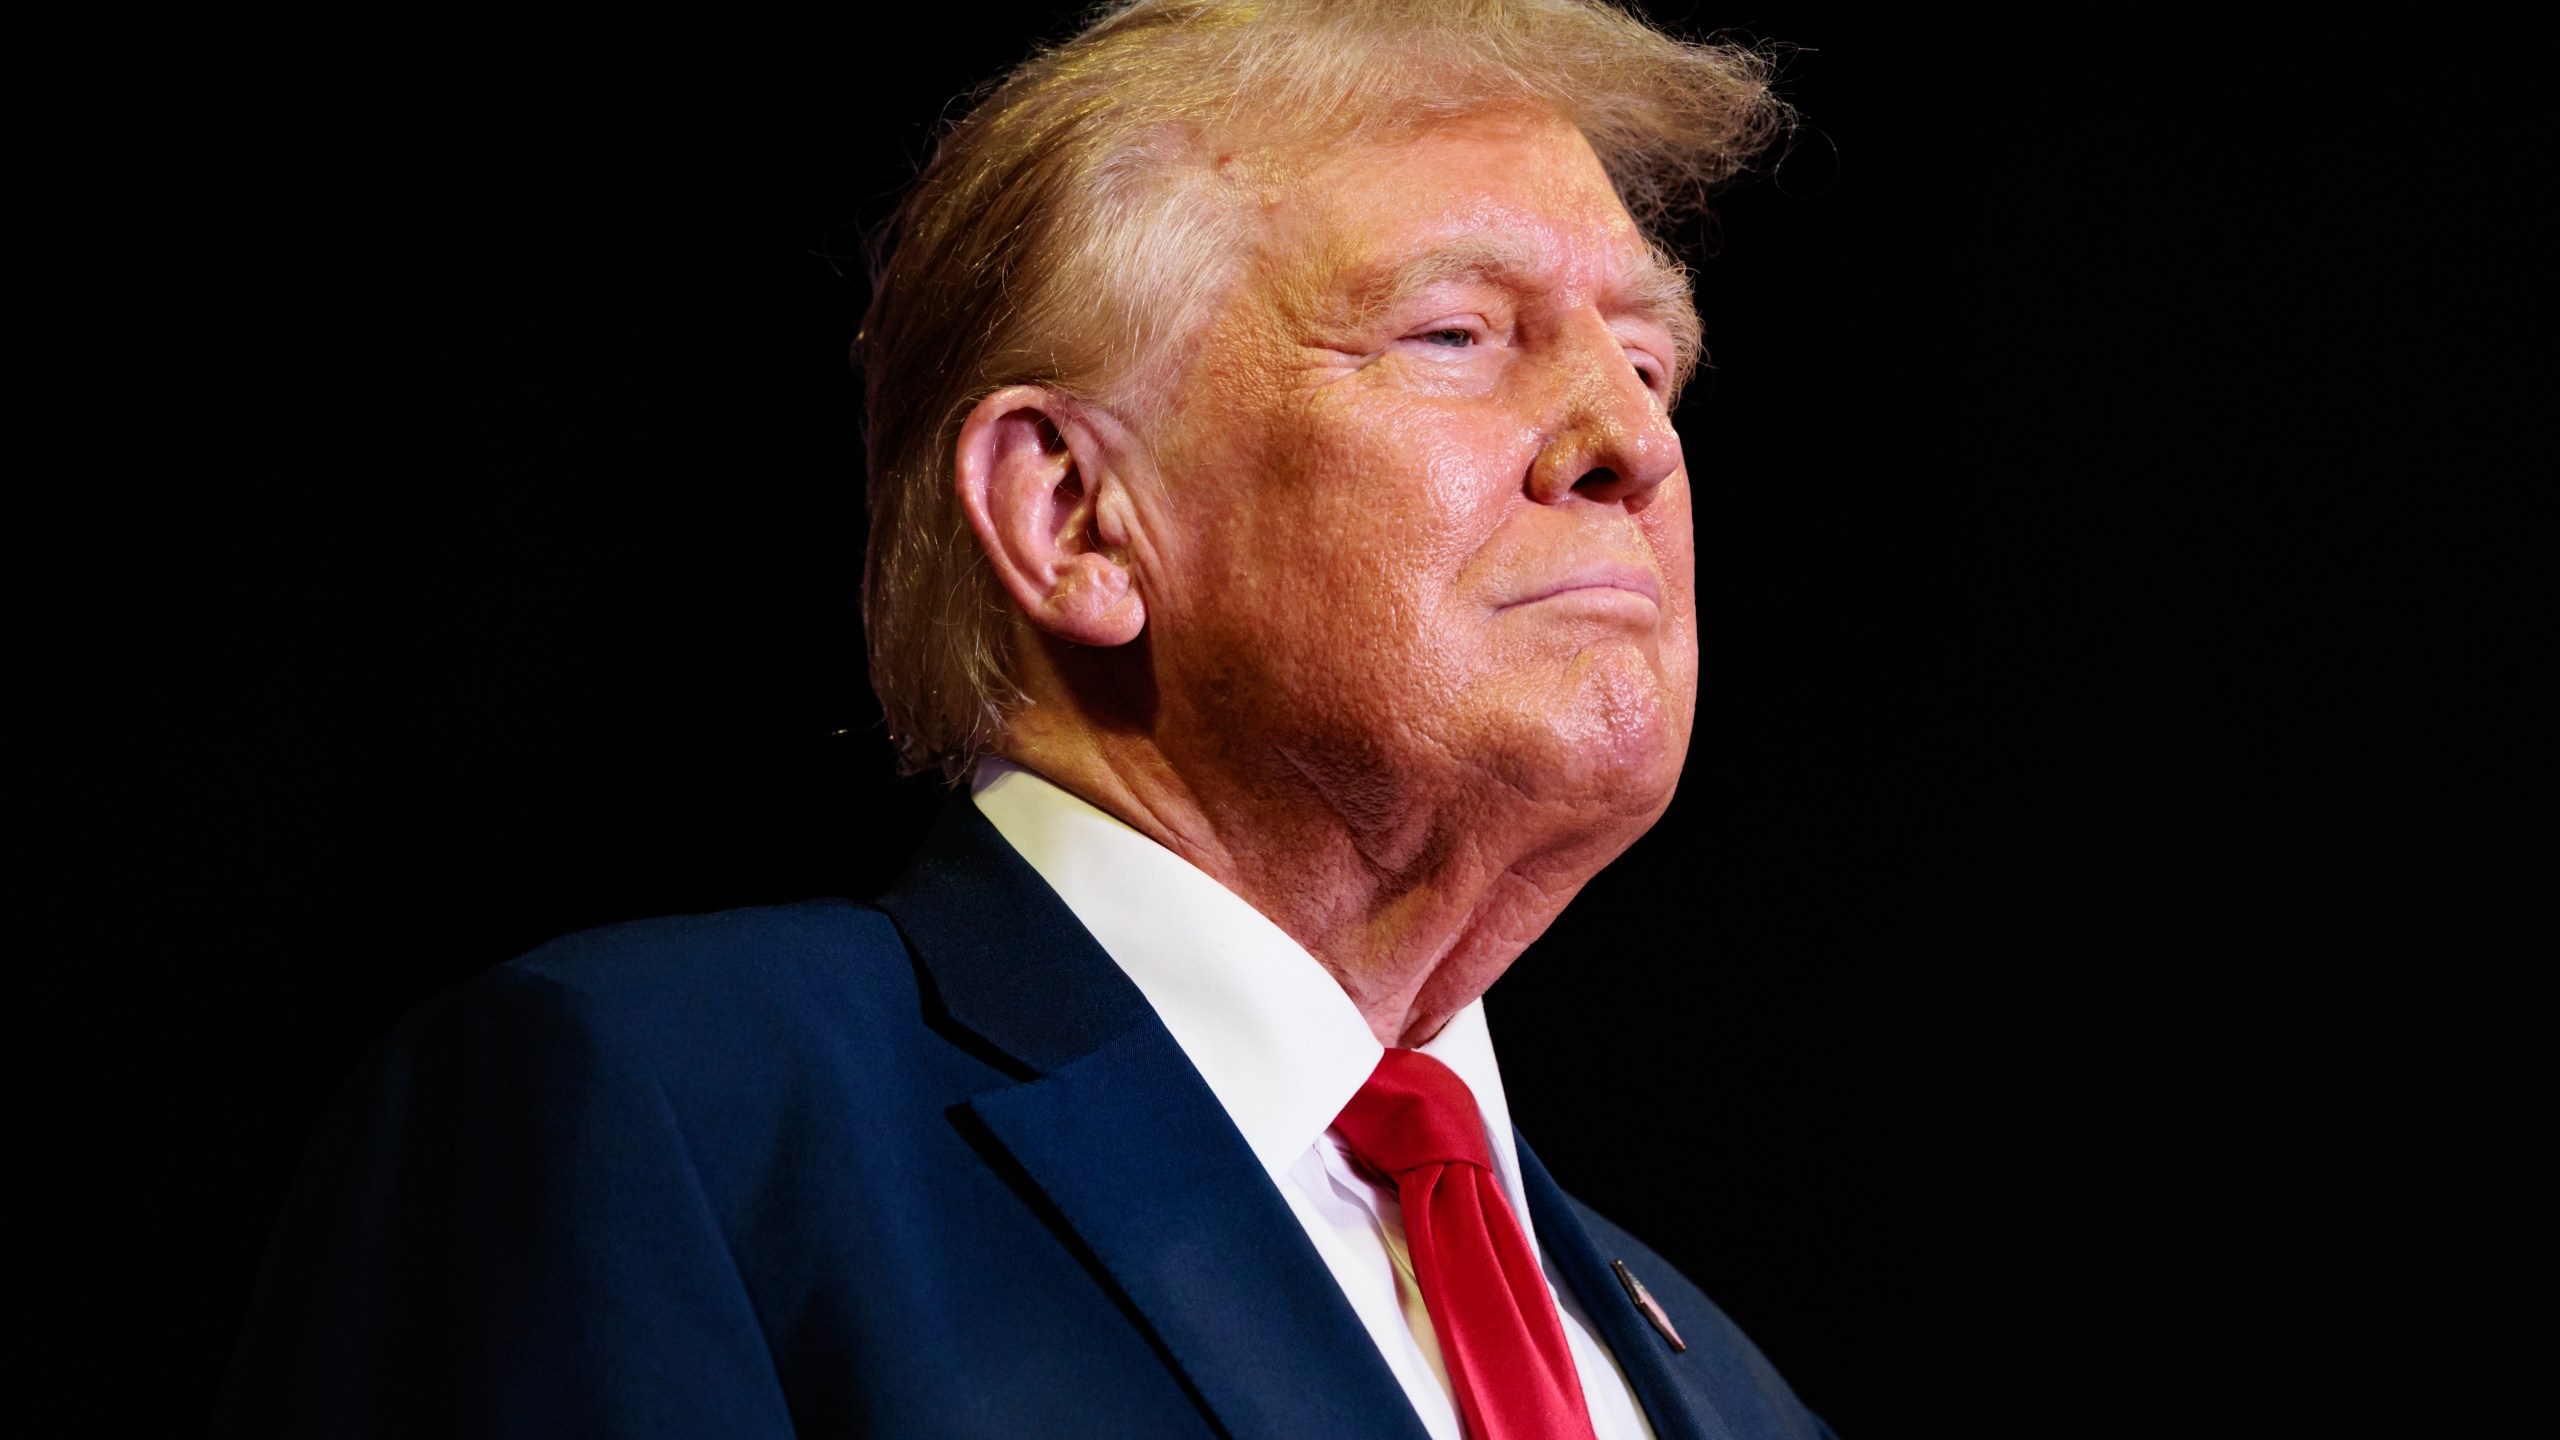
1512, 200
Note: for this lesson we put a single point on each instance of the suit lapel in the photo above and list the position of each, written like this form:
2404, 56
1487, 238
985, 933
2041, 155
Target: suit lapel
1122, 1136
1676, 1413
1008, 960
1139, 1158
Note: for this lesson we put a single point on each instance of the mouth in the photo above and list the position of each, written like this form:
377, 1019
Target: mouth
1606, 582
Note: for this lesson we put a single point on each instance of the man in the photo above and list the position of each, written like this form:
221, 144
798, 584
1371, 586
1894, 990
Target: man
1278, 520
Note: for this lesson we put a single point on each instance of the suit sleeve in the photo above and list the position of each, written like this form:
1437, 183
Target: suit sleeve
499, 1232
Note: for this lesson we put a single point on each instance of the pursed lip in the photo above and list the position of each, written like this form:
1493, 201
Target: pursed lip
1623, 575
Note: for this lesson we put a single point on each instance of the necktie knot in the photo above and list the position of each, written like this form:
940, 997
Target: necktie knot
1414, 1111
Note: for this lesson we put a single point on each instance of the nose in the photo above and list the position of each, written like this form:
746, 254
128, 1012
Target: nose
1610, 439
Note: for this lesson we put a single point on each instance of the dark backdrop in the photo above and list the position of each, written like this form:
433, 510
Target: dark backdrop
2097, 978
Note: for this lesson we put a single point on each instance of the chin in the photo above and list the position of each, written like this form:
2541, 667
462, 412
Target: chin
1612, 740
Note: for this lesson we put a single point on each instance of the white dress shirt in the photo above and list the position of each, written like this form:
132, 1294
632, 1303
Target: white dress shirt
1284, 1049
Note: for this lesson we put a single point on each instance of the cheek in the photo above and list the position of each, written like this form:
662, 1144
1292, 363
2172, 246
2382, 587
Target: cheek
1302, 551
1667, 527
1388, 501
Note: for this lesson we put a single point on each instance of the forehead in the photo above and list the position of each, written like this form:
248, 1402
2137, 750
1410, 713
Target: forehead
1518, 198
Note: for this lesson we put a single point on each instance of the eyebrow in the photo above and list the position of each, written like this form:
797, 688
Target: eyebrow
1657, 288
1488, 258
1653, 288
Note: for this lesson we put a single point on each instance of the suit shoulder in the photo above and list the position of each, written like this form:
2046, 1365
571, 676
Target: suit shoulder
676, 956
748, 975
1744, 1377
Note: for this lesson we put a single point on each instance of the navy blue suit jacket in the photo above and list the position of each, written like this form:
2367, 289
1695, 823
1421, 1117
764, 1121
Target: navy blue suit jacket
925, 1168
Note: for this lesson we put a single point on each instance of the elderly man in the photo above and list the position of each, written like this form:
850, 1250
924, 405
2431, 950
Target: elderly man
1279, 525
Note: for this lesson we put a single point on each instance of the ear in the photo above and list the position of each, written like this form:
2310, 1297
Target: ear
1034, 471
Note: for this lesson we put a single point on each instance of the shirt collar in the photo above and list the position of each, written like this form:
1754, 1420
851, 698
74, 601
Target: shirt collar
1277, 1040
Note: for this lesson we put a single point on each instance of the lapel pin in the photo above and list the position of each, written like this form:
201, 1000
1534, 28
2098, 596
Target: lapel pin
1644, 1301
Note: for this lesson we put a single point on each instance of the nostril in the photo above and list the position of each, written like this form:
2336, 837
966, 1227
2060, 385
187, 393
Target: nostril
1600, 478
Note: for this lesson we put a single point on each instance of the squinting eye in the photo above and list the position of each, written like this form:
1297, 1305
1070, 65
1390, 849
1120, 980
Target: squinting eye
1454, 339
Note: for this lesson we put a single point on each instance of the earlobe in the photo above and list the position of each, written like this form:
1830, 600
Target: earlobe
1033, 475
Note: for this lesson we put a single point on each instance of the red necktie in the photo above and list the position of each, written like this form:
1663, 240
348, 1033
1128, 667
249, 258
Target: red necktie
1415, 1123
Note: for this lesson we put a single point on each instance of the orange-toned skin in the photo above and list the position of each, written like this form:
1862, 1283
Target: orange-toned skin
1389, 623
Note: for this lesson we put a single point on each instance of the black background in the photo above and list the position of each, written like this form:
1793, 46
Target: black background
2097, 978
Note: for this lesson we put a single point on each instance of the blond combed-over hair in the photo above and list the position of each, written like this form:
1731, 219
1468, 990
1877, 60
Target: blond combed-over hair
1070, 226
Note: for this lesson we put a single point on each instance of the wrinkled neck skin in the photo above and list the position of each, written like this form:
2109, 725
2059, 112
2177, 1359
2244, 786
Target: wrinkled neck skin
1415, 887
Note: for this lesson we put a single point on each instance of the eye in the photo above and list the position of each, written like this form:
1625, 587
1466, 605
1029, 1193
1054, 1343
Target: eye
1452, 337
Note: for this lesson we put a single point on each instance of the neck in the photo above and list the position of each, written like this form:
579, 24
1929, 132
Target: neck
1415, 896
